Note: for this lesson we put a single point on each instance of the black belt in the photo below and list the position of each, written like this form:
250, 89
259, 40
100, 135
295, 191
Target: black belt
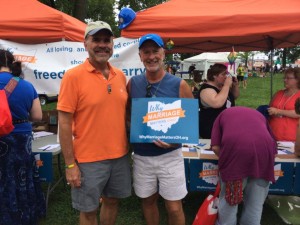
19, 121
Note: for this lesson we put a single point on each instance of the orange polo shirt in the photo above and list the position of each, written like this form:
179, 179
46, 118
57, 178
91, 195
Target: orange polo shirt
98, 114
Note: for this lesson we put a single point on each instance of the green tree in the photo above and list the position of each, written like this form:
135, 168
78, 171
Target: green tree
245, 56
288, 55
138, 5
80, 9
87, 9
62, 5
102, 10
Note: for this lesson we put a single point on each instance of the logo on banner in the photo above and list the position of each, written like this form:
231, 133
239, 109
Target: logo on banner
209, 173
38, 160
277, 171
25, 58
161, 117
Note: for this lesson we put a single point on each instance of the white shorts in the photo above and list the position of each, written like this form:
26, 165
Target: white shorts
163, 174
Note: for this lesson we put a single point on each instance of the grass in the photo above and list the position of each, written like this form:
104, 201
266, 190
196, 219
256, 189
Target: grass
258, 91
60, 211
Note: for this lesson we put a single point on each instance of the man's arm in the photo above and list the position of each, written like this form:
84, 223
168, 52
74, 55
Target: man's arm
185, 90
128, 106
66, 142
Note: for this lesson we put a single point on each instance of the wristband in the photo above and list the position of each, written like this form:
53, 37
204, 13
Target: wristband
70, 166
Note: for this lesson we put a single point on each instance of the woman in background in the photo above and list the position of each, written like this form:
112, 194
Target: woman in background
246, 163
215, 95
22, 201
283, 118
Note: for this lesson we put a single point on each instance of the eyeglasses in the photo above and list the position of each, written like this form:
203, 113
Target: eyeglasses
108, 88
148, 91
225, 73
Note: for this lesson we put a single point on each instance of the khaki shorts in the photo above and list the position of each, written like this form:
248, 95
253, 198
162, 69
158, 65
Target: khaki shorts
163, 174
110, 178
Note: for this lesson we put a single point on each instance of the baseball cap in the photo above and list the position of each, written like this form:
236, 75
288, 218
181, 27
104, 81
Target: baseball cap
126, 16
151, 37
93, 27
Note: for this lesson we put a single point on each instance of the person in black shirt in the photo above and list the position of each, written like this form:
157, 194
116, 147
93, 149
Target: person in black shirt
191, 69
217, 94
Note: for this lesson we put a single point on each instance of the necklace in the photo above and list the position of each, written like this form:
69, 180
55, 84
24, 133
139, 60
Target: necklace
151, 85
286, 101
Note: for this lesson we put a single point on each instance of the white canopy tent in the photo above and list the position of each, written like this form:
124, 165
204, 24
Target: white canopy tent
206, 59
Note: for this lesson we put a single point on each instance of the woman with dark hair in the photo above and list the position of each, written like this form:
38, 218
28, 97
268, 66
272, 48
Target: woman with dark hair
217, 94
283, 118
22, 201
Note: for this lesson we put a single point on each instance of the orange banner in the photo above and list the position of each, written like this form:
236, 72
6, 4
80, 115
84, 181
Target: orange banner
278, 173
207, 173
25, 58
163, 115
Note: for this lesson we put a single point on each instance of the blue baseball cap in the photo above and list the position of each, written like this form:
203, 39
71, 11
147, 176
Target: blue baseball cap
151, 37
126, 16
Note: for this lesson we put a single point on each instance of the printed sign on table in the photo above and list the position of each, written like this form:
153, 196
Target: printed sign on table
203, 175
284, 176
173, 120
44, 166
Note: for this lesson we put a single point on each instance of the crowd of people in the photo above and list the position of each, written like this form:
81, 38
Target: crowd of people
94, 109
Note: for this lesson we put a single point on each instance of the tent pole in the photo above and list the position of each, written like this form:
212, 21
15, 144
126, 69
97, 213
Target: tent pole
269, 41
272, 72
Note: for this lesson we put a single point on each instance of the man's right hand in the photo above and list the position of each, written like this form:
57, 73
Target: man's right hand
73, 176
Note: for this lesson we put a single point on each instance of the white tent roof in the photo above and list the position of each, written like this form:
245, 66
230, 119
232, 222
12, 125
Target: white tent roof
210, 56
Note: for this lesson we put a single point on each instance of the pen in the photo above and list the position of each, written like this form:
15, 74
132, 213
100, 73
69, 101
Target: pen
46, 148
285, 150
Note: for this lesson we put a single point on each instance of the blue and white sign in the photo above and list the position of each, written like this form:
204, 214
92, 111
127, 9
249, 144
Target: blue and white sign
44, 165
172, 120
44, 65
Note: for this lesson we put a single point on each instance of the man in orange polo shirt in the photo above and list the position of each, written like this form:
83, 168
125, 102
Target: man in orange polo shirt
92, 110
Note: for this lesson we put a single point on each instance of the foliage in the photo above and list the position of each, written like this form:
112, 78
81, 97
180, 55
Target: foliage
102, 10
138, 5
99, 10
245, 56
87, 9
80, 9
62, 5
287, 55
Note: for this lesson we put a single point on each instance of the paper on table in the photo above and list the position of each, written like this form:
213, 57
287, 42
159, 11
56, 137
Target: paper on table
209, 152
287, 144
49, 147
189, 149
284, 152
185, 149
41, 134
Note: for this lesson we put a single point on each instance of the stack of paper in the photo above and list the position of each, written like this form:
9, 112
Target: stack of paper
285, 147
41, 134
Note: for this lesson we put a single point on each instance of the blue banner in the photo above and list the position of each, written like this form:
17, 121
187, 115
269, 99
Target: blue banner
172, 120
44, 164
